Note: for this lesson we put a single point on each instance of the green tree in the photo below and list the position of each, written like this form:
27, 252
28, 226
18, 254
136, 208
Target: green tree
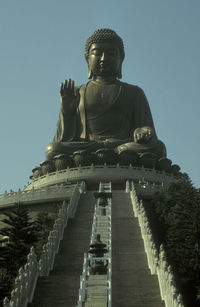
43, 223
21, 234
177, 210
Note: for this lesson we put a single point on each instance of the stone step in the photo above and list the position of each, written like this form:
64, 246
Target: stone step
60, 288
132, 283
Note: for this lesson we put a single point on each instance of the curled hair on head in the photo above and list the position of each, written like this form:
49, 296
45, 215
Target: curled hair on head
104, 35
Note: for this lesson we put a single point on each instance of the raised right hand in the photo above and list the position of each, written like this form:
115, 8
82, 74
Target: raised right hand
68, 97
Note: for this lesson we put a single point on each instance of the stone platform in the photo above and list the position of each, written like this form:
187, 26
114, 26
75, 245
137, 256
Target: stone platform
97, 173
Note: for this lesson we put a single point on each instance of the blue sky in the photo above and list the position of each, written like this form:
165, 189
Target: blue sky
42, 43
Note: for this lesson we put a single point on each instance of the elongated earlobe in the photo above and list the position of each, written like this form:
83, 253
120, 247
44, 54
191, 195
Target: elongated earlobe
119, 73
90, 74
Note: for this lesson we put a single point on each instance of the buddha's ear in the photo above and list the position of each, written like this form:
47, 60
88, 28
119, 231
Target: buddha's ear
119, 73
90, 74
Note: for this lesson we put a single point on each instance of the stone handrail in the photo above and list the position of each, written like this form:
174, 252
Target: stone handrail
25, 283
145, 188
83, 278
46, 193
102, 225
100, 172
156, 260
26, 279
50, 249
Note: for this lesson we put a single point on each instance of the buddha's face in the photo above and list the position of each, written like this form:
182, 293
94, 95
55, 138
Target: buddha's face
104, 59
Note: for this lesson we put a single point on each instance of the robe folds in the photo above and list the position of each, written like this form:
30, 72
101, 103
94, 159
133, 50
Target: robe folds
118, 120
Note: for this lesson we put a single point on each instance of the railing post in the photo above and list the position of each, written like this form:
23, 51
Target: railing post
157, 264
82, 187
98, 259
128, 188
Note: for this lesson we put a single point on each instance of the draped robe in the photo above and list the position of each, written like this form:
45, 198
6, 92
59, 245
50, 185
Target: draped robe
118, 120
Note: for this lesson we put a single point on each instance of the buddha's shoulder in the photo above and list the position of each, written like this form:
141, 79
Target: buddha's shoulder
124, 84
131, 88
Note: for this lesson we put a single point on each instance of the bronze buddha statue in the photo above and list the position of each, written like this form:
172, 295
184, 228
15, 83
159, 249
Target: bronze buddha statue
105, 112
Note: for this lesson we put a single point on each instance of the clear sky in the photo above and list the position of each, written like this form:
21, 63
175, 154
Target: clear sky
42, 43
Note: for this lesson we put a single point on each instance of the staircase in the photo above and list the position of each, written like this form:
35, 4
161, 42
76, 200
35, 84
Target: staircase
132, 283
60, 288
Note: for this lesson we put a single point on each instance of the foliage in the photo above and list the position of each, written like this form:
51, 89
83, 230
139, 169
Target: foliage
6, 282
20, 231
44, 223
23, 233
176, 217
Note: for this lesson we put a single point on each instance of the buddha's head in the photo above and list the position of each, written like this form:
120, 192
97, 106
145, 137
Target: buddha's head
104, 53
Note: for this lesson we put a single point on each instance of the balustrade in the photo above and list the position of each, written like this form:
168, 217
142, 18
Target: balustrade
98, 259
100, 171
156, 260
26, 279
35, 194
